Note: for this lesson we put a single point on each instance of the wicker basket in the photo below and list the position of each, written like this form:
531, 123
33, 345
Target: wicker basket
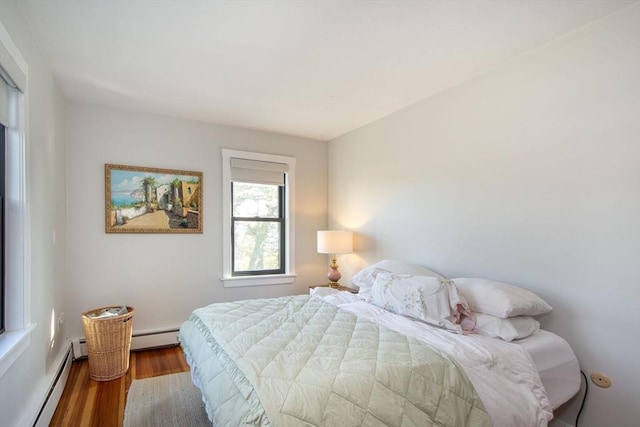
108, 343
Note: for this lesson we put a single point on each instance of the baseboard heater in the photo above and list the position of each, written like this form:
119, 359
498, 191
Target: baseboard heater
55, 391
140, 340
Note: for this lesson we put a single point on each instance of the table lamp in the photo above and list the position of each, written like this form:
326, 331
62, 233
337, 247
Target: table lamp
334, 242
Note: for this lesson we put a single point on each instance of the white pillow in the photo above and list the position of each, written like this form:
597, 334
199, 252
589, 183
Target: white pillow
364, 278
430, 299
501, 299
509, 329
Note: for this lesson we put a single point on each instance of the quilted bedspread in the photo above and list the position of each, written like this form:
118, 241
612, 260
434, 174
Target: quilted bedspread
295, 361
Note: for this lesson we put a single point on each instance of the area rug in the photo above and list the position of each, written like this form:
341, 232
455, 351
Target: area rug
167, 400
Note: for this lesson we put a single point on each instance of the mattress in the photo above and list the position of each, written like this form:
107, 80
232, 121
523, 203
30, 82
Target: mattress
556, 363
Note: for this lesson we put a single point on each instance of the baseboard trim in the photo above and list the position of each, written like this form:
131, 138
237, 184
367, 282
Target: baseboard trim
55, 390
140, 340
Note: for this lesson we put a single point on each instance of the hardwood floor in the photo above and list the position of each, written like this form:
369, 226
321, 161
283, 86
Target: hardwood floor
86, 402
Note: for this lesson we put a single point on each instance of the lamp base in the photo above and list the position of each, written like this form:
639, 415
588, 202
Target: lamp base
333, 275
334, 285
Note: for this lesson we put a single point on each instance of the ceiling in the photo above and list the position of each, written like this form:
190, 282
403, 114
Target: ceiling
316, 69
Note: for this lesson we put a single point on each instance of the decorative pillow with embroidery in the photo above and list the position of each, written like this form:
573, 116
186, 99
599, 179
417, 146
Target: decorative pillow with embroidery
429, 299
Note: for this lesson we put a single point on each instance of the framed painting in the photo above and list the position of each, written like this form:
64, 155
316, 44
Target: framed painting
150, 200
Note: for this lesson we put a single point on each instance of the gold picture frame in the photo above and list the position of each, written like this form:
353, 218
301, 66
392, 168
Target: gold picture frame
152, 200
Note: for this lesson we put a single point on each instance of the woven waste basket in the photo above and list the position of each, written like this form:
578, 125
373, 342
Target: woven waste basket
108, 334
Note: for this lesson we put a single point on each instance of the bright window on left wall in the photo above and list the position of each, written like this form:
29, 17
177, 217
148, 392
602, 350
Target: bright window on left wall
2, 223
15, 234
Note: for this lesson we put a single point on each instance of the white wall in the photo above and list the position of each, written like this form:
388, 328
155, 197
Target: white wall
166, 276
23, 388
529, 174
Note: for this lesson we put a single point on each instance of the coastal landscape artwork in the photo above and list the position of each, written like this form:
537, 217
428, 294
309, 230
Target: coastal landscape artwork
151, 200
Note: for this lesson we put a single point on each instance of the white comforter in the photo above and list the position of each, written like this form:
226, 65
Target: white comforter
503, 374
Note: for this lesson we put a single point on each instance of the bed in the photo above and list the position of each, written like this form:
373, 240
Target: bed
333, 358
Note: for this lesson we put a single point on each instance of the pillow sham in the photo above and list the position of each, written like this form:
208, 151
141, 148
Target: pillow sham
510, 329
365, 278
500, 299
430, 299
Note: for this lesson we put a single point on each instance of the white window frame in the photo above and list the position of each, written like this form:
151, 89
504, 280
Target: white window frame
289, 276
18, 324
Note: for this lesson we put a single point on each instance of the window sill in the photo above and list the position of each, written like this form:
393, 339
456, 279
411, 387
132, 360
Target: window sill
12, 345
273, 279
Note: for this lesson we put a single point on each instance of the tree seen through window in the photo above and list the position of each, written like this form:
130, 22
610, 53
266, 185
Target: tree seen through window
257, 228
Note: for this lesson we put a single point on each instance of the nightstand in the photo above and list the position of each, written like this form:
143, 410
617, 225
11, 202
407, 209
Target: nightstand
338, 288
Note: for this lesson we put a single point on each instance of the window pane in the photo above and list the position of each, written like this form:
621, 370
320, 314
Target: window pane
255, 200
257, 246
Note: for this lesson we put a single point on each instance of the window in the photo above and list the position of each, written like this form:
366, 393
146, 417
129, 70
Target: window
2, 191
257, 229
258, 222
16, 313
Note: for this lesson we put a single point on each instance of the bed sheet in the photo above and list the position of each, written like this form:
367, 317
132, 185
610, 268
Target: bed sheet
556, 363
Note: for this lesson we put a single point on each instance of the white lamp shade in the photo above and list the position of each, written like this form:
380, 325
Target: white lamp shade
335, 242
